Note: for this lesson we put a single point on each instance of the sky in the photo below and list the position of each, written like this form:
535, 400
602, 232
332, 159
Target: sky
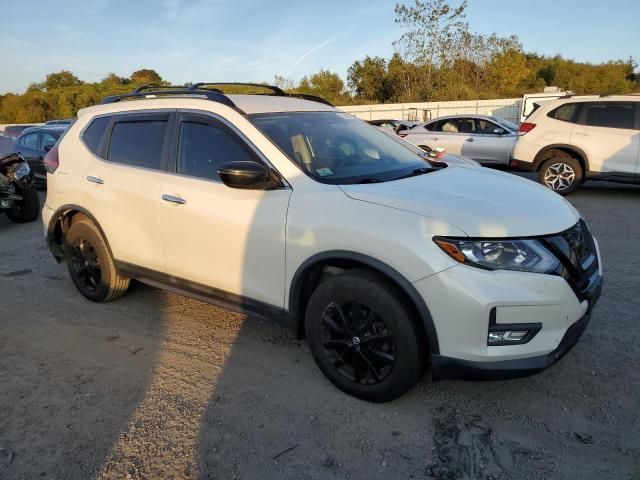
251, 40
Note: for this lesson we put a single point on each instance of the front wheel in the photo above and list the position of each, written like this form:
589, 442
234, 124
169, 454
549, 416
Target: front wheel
363, 337
90, 264
27, 209
561, 174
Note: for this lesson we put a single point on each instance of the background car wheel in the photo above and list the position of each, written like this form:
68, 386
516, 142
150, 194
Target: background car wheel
27, 209
90, 264
363, 337
563, 175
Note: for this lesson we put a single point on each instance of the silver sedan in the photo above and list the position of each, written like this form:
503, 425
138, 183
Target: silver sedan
486, 139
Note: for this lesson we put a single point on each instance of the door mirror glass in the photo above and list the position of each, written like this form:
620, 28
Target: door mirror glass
244, 174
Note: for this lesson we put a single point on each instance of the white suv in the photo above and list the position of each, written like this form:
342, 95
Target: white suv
385, 260
570, 140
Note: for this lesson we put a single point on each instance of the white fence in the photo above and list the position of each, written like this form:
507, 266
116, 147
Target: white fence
507, 108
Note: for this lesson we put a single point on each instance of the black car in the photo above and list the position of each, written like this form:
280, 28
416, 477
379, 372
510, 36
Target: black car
33, 145
15, 130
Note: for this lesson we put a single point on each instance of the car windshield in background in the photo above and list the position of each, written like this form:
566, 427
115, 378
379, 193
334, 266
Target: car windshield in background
506, 123
337, 148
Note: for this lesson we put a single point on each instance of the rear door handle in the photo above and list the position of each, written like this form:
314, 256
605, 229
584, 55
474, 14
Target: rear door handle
469, 139
173, 199
581, 133
93, 179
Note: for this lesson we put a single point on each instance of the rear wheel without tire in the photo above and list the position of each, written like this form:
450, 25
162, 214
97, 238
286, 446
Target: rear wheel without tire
90, 264
561, 174
362, 336
27, 209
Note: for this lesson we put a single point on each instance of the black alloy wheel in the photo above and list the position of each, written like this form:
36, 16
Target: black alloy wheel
85, 264
358, 343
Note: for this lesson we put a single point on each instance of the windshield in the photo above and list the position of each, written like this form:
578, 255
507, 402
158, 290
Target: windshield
336, 148
506, 123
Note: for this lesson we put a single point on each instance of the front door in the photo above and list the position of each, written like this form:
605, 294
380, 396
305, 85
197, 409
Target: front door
487, 142
227, 239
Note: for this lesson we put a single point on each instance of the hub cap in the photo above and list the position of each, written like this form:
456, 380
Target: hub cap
357, 342
559, 176
86, 265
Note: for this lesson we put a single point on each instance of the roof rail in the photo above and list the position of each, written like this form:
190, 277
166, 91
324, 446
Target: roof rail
202, 90
276, 91
152, 91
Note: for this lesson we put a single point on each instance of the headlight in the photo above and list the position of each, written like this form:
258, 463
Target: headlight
521, 255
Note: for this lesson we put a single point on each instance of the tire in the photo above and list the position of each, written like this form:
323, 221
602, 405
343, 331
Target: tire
563, 175
27, 209
378, 358
90, 264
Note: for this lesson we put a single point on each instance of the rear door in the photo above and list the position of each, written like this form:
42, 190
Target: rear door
123, 187
608, 133
487, 142
443, 133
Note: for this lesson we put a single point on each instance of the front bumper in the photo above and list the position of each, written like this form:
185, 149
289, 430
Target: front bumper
456, 369
465, 302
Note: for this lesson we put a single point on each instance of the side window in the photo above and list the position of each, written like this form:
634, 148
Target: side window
92, 136
567, 112
48, 140
138, 143
451, 125
485, 127
611, 115
433, 127
30, 140
203, 147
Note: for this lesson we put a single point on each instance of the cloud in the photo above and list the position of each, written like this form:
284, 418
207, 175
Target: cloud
312, 50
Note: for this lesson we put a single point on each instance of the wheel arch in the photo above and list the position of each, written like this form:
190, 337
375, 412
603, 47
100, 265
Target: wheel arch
550, 151
59, 224
308, 274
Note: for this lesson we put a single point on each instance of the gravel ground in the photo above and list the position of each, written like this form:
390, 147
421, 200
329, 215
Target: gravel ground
156, 385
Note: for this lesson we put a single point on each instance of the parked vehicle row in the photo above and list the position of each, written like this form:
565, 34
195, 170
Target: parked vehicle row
566, 141
385, 259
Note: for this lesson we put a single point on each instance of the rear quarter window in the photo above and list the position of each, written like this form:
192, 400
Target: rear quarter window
94, 134
566, 113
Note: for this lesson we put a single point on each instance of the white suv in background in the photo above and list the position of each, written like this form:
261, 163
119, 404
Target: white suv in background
570, 140
383, 258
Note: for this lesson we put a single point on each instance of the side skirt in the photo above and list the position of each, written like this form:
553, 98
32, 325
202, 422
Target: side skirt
207, 294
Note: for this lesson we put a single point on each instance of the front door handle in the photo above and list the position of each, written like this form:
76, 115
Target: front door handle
434, 138
581, 133
93, 179
173, 199
469, 139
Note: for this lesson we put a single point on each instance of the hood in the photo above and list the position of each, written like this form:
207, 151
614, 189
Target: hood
479, 201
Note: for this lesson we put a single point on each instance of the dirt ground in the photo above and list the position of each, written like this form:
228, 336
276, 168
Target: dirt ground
156, 385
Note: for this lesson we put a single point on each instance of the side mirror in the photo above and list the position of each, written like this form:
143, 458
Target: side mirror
499, 131
244, 174
48, 147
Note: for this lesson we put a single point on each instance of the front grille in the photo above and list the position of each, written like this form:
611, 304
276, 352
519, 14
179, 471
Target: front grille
576, 251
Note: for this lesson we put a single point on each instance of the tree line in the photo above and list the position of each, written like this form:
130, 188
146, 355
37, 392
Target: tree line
437, 58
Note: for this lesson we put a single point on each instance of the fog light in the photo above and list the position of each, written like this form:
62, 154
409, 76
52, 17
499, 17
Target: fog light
507, 336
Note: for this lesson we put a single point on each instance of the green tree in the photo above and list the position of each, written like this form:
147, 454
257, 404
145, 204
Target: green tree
367, 79
146, 76
325, 84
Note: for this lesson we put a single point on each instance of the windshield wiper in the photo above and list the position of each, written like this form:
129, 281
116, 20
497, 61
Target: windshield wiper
417, 171
369, 180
